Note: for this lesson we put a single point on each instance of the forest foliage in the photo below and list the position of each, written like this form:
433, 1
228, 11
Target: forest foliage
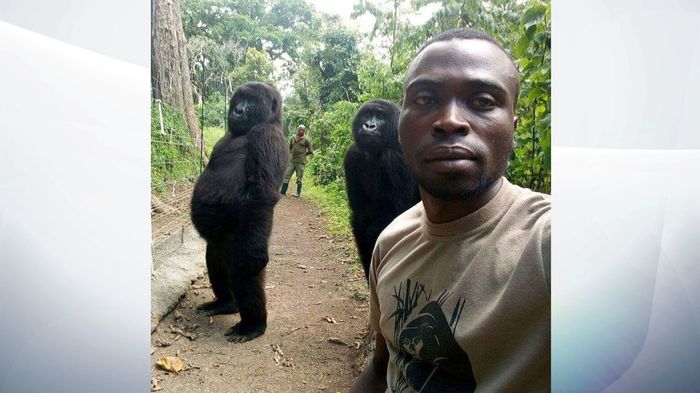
326, 70
174, 158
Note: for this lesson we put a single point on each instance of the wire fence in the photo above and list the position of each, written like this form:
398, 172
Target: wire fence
175, 167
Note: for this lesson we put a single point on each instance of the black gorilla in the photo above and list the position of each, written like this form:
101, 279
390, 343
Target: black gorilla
233, 202
378, 183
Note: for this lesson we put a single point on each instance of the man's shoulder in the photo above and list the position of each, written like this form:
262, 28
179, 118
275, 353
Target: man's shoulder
531, 202
532, 209
403, 225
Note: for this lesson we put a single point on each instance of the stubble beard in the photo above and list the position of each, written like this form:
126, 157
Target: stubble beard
455, 188
460, 187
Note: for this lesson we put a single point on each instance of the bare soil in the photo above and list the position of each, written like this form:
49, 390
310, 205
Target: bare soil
316, 339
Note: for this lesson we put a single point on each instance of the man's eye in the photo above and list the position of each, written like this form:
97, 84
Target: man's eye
424, 100
483, 103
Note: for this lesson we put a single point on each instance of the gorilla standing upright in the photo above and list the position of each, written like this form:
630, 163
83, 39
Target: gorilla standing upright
378, 183
233, 202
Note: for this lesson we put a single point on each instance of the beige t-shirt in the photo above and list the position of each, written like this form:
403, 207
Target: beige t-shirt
465, 305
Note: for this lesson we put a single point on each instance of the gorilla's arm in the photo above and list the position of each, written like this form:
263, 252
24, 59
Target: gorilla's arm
399, 182
353, 179
265, 162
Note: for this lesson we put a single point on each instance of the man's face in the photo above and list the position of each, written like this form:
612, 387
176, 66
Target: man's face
457, 121
301, 131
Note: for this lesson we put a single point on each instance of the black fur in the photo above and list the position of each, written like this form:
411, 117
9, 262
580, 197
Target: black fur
378, 183
232, 206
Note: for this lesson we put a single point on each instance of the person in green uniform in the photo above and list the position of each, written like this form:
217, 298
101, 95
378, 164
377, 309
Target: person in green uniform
300, 146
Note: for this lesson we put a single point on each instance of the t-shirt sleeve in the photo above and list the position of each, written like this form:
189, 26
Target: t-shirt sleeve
309, 148
547, 252
374, 312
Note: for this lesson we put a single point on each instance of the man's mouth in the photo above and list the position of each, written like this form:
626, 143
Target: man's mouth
447, 159
452, 152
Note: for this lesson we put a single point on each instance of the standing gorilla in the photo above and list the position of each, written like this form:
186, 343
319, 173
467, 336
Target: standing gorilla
378, 183
232, 206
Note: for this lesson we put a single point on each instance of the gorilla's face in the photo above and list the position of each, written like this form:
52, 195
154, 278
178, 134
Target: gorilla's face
375, 125
252, 103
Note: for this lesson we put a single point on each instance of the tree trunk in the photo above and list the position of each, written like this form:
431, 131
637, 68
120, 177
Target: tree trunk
170, 75
394, 24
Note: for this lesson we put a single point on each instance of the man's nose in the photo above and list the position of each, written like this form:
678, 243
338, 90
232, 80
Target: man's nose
451, 120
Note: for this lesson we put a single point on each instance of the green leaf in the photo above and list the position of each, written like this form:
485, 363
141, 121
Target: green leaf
533, 14
542, 37
521, 46
545, 70
536, 92
530, 31
546, 139
524, 63
540, 109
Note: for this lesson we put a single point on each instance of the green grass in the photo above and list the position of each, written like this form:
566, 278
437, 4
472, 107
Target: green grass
332, 201
173, 157
211, 136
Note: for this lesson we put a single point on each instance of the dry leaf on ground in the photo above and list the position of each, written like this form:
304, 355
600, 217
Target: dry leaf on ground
154, 385
171, 363
336, 340
162, 343
278, 354
280, 358
185, 332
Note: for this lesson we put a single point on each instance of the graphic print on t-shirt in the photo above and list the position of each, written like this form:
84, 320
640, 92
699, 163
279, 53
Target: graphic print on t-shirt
428, 356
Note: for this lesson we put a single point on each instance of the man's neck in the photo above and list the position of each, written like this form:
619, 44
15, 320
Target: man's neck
440, 210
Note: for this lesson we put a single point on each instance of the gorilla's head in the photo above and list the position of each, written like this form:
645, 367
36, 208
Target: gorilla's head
376, 125
253, 103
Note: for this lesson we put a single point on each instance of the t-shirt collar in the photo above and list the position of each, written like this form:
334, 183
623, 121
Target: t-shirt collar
473, 221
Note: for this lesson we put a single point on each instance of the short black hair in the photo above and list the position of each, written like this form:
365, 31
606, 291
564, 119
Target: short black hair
462, 33
467, 33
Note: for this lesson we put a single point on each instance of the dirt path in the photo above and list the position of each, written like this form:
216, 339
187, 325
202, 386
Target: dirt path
317, 313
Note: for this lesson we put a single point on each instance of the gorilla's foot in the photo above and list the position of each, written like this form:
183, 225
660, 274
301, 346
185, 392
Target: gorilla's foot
242, 332
216, 307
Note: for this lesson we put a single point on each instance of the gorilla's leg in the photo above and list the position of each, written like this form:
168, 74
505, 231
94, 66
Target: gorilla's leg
248, 274
368, 239
224, 303
253, 312
365, 246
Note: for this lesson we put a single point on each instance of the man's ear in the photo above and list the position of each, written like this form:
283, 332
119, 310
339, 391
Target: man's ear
515, 127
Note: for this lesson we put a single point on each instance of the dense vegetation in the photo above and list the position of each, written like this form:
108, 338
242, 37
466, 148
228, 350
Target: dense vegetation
326, 71
173, 156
